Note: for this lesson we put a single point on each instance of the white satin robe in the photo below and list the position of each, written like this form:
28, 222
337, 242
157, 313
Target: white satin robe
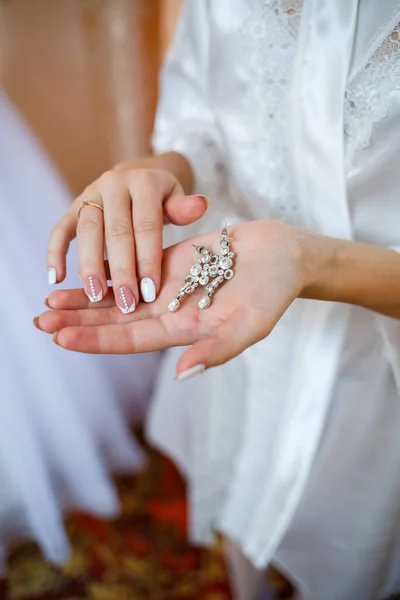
291, 110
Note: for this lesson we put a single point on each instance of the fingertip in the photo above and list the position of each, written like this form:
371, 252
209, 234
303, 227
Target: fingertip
72, 338
196, 207
148, 290
205, 199
42, 323
125, 299
190, 372
183, 210
61, 338
57, 300
56, 262
56, 275
45, 322
190, 359
52, 275
52, 301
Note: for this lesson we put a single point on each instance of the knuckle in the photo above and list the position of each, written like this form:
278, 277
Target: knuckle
147, 266
118, 229
123, 274
145, 225
90, 193
110, 179
130, 332
87, 192
144, 178
87, 224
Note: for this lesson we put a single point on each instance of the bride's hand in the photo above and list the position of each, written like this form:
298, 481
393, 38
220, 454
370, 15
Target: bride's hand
135, 202
270, 272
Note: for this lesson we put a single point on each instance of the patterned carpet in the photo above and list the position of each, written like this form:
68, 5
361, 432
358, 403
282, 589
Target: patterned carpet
143, 555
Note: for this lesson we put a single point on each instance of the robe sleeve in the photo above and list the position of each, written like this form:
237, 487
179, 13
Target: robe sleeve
185, 121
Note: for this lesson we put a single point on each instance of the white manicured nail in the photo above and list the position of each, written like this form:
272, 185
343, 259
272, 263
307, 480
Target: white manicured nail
148, 289
51, 272
192, 372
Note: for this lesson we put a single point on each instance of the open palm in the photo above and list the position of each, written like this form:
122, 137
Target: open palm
243, 311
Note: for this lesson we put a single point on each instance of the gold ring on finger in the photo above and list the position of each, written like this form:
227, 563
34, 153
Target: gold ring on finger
86, 202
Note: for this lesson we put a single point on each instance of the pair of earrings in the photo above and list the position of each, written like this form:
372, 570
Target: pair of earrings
210, 270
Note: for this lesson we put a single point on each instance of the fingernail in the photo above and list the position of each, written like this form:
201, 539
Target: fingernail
55, 336
206, 199
52, 275
93, 289
36, 322
46, 302
148, 289
126, 300
192, 372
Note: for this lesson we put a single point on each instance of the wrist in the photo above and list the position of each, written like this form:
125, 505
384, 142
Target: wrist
318, 260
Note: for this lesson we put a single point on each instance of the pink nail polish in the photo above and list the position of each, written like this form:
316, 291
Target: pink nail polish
93, 289
125, 300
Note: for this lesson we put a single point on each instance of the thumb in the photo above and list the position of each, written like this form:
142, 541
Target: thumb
225, 342
184, 210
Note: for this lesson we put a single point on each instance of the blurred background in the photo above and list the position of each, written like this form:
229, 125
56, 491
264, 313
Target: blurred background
83, 75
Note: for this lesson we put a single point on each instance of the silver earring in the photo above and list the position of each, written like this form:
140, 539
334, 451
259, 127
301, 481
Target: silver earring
209, 270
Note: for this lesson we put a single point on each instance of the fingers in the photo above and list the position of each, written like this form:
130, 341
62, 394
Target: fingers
55, 320
76, 300
120, 241
147, 194
183, 210
60, 238
141, 336
52, 321
90, 234
107, 271
224, 343
131, 230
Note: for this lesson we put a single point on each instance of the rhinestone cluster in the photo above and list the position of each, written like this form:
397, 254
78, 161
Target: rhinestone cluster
209, 270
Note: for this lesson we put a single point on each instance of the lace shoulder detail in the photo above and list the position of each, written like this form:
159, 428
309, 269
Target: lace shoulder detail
368, 96
269, 49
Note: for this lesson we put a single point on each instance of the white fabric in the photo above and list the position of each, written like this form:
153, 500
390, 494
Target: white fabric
63, 417
247, 583
292, 449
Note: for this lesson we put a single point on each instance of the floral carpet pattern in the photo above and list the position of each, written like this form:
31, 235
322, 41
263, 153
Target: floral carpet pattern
143, 555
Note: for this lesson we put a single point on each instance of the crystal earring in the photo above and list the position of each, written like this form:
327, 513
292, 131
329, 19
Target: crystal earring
210, 270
